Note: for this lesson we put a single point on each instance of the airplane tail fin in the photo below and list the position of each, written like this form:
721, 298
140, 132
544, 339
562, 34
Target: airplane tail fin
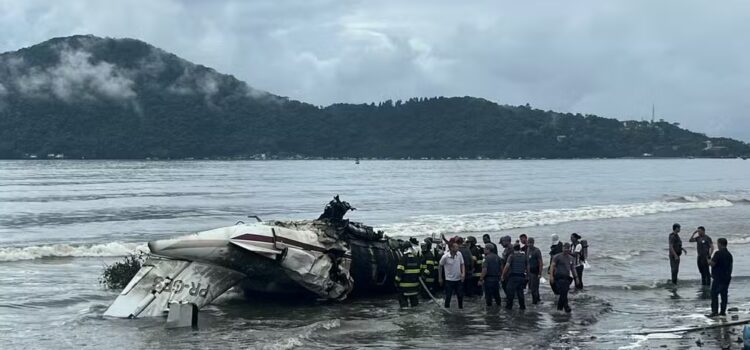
162, 281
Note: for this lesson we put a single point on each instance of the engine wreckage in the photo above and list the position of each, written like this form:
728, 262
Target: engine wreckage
329, 258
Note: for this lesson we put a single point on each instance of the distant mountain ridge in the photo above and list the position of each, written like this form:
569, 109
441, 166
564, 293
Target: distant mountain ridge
91, 97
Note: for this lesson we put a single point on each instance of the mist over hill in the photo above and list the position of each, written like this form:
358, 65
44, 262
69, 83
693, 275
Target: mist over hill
90, 97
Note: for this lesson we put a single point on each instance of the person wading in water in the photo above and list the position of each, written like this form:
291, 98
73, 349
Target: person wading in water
452, 266
562, 273
705, 247
675, 250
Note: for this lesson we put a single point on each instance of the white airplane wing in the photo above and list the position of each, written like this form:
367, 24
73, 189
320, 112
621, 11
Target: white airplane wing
160, 282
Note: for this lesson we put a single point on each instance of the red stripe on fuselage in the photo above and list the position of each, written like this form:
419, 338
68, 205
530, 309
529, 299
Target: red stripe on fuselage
252, 237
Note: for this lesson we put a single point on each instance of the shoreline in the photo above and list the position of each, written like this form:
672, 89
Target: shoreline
302, 158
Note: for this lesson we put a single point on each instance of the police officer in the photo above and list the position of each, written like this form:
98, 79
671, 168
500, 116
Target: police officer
505, 252
478, 257
536, 265
463, 247
562, 273
428, 266
516, 274
705, 249
490, 276
407, 278
486, 239
675, 251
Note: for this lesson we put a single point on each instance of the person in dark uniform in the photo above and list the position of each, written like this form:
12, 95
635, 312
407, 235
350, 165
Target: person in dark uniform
562, 273
407, 278
554, 249
505, 252
463, 247
578, 258
429, 267
721, 268
523, 240
490, 275
705, 248
516, 274
478, 257
486, 239
675, 250
438, 249
536, 264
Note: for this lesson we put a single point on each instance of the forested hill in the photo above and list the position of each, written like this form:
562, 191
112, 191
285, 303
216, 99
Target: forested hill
89, 97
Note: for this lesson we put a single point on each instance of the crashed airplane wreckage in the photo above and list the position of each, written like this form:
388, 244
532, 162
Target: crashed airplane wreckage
328, 258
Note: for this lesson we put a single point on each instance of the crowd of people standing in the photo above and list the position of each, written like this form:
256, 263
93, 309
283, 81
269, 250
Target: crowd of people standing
461, 267
720, 262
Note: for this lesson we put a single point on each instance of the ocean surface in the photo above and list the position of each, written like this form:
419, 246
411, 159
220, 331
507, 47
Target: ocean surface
62, 221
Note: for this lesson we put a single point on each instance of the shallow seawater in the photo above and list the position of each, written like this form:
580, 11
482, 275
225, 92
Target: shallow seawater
62, 221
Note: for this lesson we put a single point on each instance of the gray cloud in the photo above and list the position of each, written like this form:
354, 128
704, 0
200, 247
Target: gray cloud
612, 58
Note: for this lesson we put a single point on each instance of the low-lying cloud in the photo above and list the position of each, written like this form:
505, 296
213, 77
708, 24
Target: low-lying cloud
76, 77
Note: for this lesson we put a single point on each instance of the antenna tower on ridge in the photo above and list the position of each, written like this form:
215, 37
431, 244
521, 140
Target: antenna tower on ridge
653, 112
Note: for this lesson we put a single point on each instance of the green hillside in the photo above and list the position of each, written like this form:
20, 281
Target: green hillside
90, 97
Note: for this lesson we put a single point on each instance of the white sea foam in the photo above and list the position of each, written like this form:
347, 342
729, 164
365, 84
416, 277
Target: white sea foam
621, 256
484, 222
300, 334
70, 250
736, 197
640, 340
744, 240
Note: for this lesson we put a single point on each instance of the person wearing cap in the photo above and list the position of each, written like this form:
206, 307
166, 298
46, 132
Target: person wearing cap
536, 264
675, 250
562, 273
489, 278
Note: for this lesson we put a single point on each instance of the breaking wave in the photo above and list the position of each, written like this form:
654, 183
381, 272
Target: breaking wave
70, 250
744, 240
654, 284
621, 256
735, 197
498, 221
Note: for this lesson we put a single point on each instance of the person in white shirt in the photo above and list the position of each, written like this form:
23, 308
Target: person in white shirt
452, 266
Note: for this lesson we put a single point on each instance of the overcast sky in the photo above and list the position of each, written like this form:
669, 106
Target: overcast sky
612, 58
